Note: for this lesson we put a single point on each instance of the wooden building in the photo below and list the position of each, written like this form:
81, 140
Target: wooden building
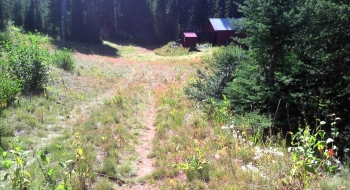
190, 40
219, 31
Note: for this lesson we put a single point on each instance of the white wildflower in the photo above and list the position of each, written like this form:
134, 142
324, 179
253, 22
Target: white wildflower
224, 127
262, 175
329, 140
251, 167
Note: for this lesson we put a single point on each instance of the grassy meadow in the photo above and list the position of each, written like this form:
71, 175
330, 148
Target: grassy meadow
89, 122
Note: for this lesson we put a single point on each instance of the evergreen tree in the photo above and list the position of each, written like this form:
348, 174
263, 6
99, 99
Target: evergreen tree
92, 26
2, 24
18, 13
107, 18
300, 59
219, 9
29, 23
38, 11
78, 30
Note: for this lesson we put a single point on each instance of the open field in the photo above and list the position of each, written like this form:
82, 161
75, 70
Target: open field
106, 106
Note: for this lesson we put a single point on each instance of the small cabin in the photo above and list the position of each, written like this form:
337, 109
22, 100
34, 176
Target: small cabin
219, 31
189, 40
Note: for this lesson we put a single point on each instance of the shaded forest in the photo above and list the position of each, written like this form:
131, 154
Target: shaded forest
142, 21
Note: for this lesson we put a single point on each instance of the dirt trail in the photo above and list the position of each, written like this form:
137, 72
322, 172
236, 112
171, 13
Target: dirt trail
135, 73
145, 165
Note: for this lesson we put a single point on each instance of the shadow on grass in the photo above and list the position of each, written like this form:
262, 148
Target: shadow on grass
89, 49
126, 43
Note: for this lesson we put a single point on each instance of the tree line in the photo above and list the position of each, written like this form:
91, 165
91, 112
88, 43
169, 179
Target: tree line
139, 21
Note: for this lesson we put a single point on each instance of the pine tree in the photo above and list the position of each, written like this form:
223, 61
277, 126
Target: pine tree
38, 11
63, 22
2, 24
267, 25
18, 12
107, 19
92, 26
219, 9
78, 30
29, 23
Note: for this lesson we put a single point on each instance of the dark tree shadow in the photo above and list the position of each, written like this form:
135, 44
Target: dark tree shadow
194, 49
89, 49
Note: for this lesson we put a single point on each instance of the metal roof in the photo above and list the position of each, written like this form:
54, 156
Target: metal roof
190, 34
220, 24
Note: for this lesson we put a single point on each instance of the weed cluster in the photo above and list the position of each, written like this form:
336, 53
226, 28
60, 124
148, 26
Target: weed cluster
64, 59
171, 49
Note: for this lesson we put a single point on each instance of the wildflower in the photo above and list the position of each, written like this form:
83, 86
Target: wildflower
329, 140
224, 127
330, 152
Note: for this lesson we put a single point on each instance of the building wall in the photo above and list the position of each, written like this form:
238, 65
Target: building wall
224, 37
189, 42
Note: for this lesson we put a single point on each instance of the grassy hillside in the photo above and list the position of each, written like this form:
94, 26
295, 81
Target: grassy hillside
120, 120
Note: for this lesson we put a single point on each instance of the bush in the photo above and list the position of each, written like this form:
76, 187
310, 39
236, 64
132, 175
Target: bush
4, 36
211, 84
10, 86
29, 62
64, 59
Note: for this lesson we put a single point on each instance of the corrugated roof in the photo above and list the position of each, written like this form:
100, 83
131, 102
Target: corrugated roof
190, 34
222, 23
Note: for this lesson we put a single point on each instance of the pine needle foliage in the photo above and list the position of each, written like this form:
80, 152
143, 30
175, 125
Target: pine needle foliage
211, 83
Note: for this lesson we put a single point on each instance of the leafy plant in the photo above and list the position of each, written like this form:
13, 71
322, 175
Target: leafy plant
196, 167
15, 163
64, 59
10, 86
77, 172
310, 154
28, 61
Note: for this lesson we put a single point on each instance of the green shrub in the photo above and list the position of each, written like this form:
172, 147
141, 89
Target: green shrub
64, 59
4, 36
109, 165
9, 85
28, 61
211, 84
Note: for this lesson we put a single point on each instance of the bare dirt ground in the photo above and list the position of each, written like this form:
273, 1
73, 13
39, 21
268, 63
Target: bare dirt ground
145, 165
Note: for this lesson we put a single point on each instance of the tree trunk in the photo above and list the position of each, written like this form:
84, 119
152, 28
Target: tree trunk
63, 23
272, 68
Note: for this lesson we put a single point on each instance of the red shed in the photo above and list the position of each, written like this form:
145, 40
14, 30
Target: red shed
219, 31
190, 39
